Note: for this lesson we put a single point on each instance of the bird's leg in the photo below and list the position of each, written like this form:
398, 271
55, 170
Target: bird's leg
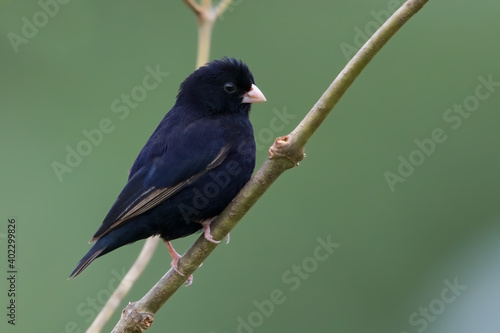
175, 261
175, 257
206, 228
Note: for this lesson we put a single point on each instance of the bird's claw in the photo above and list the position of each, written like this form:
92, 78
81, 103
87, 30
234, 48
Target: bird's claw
174, 265
189, 280
211, 239
206, 228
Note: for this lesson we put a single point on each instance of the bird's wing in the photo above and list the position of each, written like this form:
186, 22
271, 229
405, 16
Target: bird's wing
183, 162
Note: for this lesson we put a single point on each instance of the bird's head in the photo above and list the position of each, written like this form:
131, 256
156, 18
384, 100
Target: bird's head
224, 85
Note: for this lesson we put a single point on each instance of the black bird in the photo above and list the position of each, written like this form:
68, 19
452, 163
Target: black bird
199, 157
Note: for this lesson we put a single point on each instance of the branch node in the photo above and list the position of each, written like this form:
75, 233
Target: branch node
282, 148
138, 321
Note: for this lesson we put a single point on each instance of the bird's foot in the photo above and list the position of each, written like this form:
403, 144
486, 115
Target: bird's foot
208, 235
206, 228
175, 263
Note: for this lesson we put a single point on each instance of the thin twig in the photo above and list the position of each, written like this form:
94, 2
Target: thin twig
205, 27
206, 17
193, 5
206, 4
124, 287
221, 7
286, 152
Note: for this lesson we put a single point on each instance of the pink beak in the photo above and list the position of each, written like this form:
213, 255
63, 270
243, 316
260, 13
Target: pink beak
254, 95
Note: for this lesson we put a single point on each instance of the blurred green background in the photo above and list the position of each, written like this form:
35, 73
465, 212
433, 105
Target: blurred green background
400, 248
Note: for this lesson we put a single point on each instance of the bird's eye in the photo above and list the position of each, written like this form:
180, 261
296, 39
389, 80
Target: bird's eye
229, 87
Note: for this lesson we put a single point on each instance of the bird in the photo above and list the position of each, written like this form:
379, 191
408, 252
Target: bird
196, 161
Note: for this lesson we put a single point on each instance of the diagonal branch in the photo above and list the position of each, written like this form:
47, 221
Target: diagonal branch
286, 152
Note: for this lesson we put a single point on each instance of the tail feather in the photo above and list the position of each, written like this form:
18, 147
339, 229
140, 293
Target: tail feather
126, 234
113, 240
95, 252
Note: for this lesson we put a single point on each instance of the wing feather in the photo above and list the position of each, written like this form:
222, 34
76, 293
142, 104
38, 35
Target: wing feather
152, 197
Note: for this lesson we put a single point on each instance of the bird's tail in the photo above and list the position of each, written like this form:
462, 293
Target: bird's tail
100, 247
113, 240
